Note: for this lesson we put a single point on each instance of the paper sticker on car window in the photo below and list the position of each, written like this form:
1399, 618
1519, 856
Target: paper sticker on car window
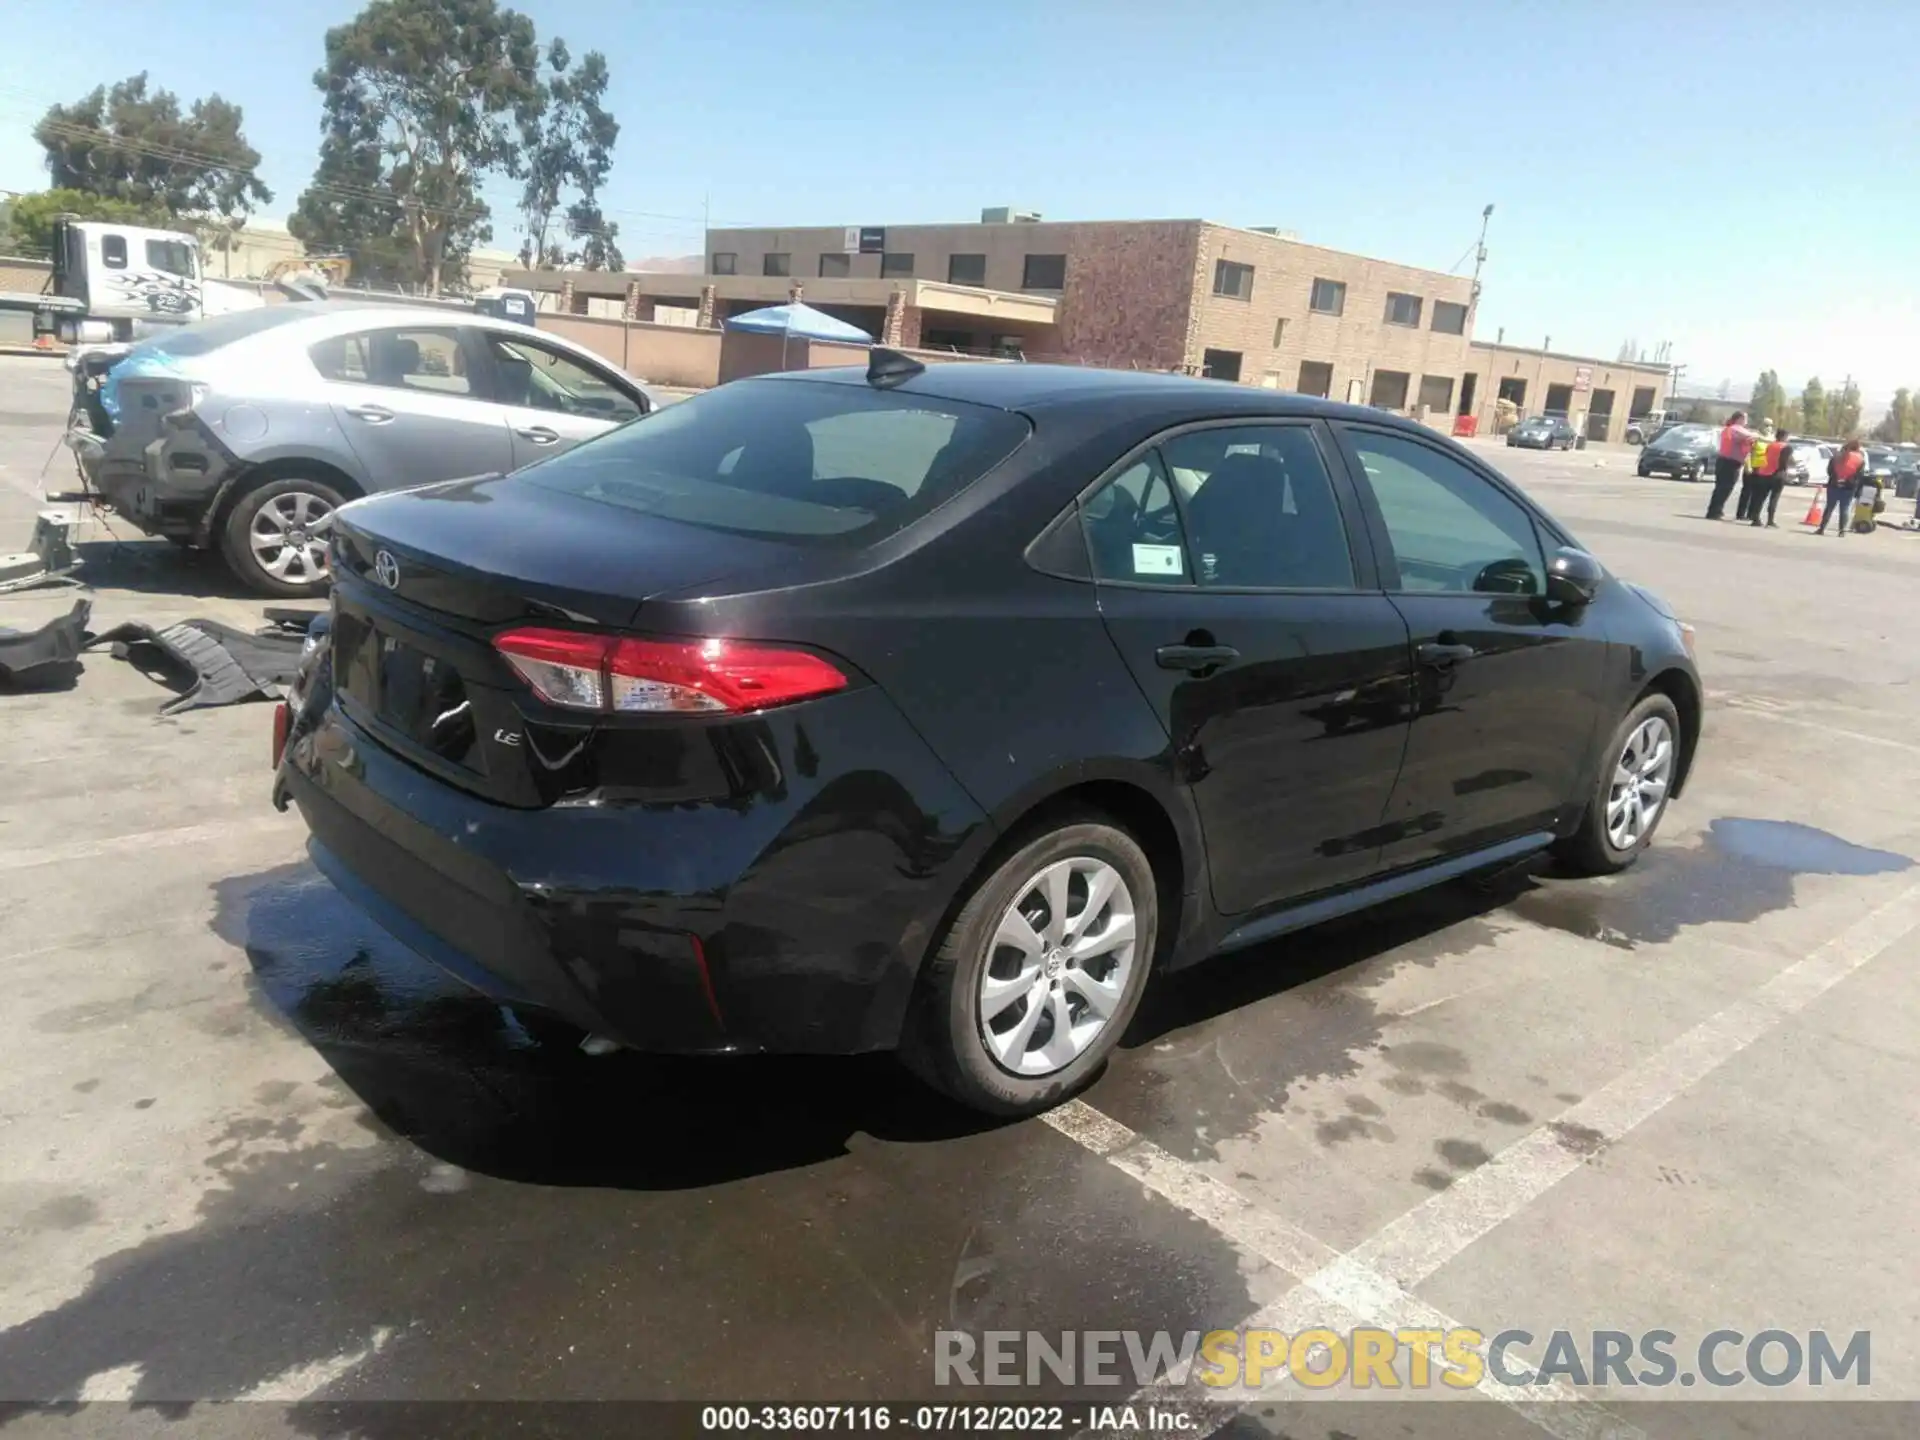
1157, 560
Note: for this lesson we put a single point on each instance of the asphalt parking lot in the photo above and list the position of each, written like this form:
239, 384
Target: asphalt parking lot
250, 1148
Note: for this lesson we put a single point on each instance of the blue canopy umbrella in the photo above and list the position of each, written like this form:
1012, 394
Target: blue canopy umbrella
799, 322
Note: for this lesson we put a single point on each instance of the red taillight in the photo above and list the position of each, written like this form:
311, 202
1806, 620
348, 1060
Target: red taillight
282, 724
622, 675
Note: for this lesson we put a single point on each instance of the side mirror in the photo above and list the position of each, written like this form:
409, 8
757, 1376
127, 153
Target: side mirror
1573, 577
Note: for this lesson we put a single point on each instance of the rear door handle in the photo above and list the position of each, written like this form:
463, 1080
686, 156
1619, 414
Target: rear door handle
538, 434
1194, 659
1444, 657
372, 414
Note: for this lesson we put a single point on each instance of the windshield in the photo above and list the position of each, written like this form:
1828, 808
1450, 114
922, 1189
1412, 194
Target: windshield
808, 461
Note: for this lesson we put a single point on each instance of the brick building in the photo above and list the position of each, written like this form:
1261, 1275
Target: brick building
1254, 306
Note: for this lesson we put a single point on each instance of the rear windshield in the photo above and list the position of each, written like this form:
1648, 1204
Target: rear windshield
807, 461
209, 335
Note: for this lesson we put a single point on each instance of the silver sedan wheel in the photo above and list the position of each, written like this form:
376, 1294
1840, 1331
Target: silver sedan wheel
1640, 779
1057, 966
288, 536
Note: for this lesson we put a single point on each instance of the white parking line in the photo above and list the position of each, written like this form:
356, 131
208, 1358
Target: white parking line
142, 840
1372, 1282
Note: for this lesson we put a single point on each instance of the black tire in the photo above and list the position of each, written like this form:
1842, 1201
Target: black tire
1644, 472
1590, 849
943, 1043
236, 542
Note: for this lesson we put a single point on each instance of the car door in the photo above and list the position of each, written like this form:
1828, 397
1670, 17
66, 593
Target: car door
413, 403
1505, 710
553, 400
1234, 576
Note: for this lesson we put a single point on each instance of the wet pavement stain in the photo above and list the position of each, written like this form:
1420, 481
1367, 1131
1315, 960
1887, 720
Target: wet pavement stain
1739, 871
1502, 1113
1462, 1154
1246, 1029
1580, 1139
1432, 1179
64, 1212
621, 1214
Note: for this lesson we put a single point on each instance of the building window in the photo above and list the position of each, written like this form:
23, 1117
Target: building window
966, 270
1329, 297
1449, 317
1389, 390
1316, 378
776, 262
724, 261
1436, 393
1220, 364
1044, 272
1279, 332
1232, 280
835, 266
896, 265
1403, 309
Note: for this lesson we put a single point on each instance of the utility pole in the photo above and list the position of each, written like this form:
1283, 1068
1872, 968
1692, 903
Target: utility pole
1480, 254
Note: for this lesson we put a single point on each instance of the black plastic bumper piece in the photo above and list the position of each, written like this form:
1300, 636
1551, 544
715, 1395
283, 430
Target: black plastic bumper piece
29, 654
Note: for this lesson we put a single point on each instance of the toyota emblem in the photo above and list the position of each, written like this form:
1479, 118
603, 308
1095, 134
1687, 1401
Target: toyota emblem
386, 569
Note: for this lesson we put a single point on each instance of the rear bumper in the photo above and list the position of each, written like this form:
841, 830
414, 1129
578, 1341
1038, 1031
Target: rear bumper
793, 921
166, 487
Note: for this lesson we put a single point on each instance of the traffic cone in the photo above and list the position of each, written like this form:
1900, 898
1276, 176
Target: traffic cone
1814, 512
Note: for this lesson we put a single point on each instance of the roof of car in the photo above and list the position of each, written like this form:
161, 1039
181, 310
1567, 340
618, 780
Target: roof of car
1016, 386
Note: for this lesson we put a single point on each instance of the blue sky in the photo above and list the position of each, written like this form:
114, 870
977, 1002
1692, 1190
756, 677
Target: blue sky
1738, 179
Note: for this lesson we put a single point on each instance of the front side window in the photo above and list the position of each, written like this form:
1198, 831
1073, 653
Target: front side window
412, 359
807, 461
1260, 509
1451, 529
175, 257
537, 377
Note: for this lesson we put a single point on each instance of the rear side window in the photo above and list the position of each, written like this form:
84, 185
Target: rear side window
1133, 527
808, 461
411, 359
1261, 512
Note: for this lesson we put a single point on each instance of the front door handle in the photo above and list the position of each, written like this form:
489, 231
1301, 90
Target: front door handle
1194, 659
372, 414
1444, 657
538, 434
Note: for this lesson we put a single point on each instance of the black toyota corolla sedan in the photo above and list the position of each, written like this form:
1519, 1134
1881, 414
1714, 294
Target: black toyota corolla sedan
936, 710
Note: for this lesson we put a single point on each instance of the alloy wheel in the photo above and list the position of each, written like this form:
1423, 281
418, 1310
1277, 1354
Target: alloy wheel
288, 536
1057, 966
1641, 777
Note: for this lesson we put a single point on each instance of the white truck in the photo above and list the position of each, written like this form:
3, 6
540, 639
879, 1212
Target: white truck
114, 284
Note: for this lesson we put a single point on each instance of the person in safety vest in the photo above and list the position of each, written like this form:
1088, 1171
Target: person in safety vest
1736, 442
1844, 473
1769, 478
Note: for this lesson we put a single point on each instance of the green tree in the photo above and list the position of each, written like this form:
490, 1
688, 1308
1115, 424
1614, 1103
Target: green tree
1789, 418
1843, 410
1897, 424
127, 144
1813, 408
1769, 399
29, 222
569, 147
423, 100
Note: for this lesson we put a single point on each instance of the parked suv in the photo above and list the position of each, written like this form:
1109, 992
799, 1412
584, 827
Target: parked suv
247, 432
935, 709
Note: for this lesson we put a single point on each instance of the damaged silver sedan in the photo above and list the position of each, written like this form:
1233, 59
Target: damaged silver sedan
246, 432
